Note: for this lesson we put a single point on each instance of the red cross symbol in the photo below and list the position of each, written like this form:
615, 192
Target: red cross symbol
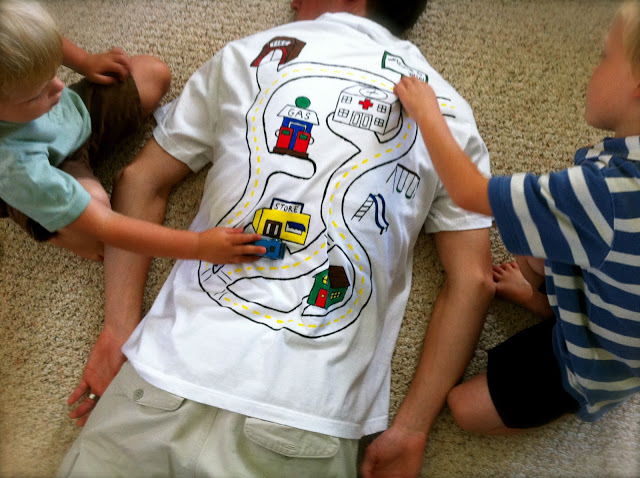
366, 104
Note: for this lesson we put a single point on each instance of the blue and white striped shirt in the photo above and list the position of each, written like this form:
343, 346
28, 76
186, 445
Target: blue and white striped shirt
585, 221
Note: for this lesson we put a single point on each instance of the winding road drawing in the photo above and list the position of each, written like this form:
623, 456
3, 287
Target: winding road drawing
313, 164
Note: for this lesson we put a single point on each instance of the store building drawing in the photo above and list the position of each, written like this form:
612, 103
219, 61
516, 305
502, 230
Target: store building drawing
284, 220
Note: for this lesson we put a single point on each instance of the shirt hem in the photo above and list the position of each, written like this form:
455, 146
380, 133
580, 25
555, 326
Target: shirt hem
263, 411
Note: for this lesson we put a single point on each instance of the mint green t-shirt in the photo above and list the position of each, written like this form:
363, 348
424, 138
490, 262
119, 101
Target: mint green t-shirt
30, 180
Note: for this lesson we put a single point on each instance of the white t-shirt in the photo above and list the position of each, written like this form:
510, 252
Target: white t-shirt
310, 147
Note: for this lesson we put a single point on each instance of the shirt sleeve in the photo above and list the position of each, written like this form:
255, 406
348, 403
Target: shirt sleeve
186, 126
444, 214
43, 192
566, 216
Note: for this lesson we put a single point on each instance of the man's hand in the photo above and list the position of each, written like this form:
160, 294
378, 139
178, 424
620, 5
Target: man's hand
104, 363
222, 245
106, 68
396, 453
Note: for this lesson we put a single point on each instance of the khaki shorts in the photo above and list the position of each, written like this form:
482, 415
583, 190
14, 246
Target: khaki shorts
115, 112
138, 430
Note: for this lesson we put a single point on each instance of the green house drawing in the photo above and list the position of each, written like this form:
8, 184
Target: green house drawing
330, 286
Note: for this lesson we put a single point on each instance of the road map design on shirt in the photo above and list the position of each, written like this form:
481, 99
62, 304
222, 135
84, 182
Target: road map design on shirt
325, 144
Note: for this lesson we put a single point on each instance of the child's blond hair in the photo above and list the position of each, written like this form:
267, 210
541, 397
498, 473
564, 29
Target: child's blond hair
30, 46
629, 14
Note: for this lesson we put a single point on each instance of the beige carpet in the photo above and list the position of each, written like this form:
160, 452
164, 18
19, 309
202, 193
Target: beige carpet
523, 66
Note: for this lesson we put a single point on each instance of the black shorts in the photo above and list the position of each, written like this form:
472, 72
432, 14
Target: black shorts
524, 379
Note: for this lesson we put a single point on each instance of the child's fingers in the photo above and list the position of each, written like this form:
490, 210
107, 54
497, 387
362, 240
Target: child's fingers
244, 238
117, 50
245, 258
124, 61
254, 250
105, 79
401, 89
249, 250
118, 69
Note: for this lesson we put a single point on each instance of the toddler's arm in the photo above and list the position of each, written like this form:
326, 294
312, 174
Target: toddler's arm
104, 68
467, 187
218, 245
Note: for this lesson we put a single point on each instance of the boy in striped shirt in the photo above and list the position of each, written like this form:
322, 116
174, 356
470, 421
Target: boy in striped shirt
575, 232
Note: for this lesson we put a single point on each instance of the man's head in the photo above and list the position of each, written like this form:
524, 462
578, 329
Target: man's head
30, 54
312, 9
396, 16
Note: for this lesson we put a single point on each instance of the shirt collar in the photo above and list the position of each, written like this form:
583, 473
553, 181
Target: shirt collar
364, 25
626, 148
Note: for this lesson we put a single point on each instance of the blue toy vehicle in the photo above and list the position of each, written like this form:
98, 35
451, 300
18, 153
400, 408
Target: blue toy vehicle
274, 247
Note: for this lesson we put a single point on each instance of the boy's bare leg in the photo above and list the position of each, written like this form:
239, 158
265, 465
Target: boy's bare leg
152, 78
473, 409
519, 282
83, 245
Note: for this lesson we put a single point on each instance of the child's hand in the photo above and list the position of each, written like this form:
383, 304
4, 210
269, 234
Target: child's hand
417, 97
223, 245
106, 68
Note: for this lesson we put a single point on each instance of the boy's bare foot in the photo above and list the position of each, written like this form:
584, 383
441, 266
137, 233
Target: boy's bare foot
513, 287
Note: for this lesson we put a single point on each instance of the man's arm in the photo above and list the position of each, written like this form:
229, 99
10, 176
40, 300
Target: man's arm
449, 344
142, 191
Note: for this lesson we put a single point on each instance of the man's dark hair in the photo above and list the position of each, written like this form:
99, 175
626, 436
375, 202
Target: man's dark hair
397, 15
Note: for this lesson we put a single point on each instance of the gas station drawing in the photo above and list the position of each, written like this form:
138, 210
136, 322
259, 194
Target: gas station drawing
294, 135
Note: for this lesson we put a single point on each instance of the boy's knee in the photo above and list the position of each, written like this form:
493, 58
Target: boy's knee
102, 196
97, 192
464, 409
152, 77
457, 403
161, 73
